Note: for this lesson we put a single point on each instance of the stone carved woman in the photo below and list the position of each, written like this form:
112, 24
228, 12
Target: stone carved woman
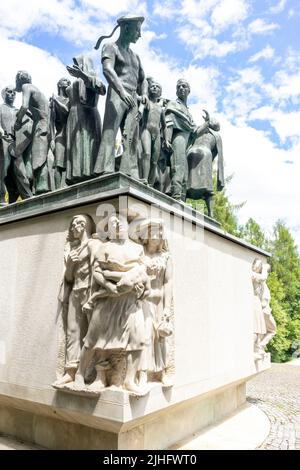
259, 277
158, 305
117, 321
75, 291
84, 123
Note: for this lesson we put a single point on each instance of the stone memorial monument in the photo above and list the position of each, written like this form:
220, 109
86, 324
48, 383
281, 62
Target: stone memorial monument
126, 317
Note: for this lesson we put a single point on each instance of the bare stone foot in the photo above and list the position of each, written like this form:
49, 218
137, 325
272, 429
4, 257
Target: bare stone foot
136, 389
166, 380
68, 377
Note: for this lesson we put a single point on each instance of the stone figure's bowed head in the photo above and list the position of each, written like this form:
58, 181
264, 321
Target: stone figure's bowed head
257, 265
127, 23
63, 83
79, 224
22, 77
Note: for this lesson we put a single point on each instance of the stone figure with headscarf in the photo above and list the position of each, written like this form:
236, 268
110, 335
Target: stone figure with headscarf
123, 70
200, 156
83, 132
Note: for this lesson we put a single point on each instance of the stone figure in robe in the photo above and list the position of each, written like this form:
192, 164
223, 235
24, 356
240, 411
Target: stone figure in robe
264, 323
200, 156
83, 131
158, 305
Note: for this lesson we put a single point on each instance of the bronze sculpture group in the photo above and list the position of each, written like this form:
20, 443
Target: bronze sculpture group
47, 145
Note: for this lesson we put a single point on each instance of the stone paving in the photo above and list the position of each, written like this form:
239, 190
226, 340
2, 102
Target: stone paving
277, 393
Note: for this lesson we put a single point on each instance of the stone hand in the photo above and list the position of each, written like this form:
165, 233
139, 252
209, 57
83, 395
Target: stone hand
75, 71
73, 257
168, 146
206, 116
128, 99
17, 125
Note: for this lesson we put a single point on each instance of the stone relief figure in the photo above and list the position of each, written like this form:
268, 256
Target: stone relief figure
267, 311
83, 132
123, 70
7, 121
262, 311
158, 304
36, 103
200, 155
116, 332
75, 292
59, 111
153, 125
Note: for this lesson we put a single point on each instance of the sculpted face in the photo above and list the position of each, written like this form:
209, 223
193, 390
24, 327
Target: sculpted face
257, 266
64, 83
117, 227
155, 90
133, 31
78, 227
9, 95
182, 90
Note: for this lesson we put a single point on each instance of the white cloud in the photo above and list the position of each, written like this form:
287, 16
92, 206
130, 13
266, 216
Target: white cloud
286, 124
206, 46
116, 6
243, 94
167, 9
229, 12
266, 53
278, 8
260, 26
45, 69
285, 88
203, 80
261, 176
53, 16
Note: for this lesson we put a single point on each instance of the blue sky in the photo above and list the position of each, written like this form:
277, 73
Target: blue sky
242, 58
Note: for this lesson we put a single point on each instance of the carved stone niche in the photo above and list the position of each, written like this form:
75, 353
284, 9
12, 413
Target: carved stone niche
116, 307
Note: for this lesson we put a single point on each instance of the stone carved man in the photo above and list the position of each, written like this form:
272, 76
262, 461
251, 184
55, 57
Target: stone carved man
181, 128
7, 121
264, 323
117, 325
153, 124
123, 70
35, 102
59, 111
200, 155
75, 291
83, 130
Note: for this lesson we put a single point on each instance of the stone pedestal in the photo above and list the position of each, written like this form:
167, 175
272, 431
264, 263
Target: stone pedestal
213, 347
